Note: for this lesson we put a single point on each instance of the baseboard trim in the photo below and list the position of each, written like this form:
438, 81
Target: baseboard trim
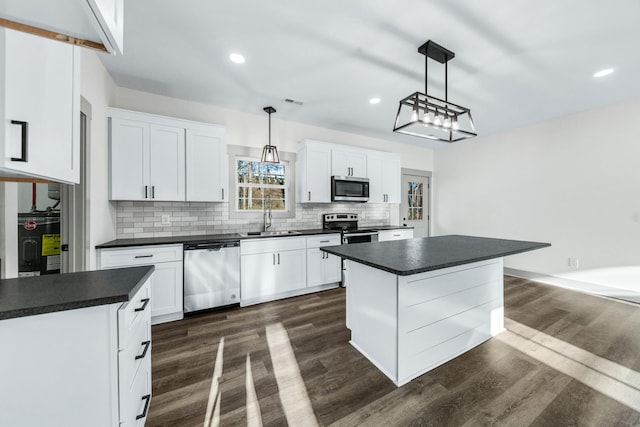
576, 285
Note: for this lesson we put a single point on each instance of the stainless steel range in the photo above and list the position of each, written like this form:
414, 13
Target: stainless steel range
347, 223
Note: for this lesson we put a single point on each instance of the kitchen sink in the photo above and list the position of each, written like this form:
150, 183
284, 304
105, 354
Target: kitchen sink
270, 233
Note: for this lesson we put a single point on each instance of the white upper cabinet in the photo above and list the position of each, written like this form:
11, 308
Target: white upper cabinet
384, 173
348, 162
95, 21
313, 171
40, 108
156, 158
206, 165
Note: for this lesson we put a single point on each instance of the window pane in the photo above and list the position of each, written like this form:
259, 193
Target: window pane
274, 193
249, 204
252, 176
248, 172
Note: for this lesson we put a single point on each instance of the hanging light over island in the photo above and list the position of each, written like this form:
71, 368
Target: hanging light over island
426, 116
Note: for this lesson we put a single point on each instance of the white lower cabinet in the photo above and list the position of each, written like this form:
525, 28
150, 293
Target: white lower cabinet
399, 234
322, 268
272, 268
76, 368
166, 280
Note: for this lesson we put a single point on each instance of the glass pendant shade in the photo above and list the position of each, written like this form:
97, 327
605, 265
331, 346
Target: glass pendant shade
270, 152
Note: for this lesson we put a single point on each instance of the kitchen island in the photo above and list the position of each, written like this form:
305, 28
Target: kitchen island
415, 304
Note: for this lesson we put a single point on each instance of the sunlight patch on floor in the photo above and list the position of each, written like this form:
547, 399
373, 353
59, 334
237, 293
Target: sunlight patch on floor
607, 377
254, 417
291, 389
212, 416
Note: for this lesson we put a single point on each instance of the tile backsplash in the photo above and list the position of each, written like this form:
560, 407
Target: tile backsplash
144, 219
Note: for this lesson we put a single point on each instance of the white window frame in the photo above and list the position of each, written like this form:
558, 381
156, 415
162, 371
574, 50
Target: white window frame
237, 152
285, 187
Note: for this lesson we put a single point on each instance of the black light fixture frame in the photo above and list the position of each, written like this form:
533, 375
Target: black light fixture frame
418, 101
270, 150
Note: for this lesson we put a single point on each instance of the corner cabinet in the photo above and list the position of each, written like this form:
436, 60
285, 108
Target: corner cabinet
165, 282
156, 158
313, 172
84, 367
40, 108
385, 174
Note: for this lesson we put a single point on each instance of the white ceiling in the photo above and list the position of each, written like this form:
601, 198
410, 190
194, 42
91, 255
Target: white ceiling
517, 62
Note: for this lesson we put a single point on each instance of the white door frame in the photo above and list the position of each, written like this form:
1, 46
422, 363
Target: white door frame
75, 209
429, 176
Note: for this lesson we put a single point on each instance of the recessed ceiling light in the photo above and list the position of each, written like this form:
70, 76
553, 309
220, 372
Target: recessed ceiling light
374, 101
237, 58
603, 73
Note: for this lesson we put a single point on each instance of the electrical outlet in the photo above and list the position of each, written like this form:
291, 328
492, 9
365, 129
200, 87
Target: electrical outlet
166, 219
573, 262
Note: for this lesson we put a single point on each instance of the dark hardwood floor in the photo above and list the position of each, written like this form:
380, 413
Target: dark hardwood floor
566, 359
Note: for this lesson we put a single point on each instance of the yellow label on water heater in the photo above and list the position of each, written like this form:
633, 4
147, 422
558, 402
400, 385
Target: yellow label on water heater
50, 244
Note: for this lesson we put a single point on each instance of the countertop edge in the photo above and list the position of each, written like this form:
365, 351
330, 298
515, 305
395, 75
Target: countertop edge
53, 308
329, 249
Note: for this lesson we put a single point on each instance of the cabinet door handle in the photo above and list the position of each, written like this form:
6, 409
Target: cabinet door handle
145, 302
144, 351
25, 141
153, 191
325, 241
146, 398
146, 191
309, 195
223, 194
143, 256
278, 258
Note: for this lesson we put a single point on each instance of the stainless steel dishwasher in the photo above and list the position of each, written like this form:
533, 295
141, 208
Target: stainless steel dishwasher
211, 275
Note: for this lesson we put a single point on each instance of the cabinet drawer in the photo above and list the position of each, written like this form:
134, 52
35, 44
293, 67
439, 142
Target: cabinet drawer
278, 244
133, 313
139, 255
395, 235
323, 240
136, 398
135, 353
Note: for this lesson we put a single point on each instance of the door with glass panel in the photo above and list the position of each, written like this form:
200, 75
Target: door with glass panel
415, 209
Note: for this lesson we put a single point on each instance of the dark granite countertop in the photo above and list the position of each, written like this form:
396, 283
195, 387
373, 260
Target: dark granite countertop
412, 256
27, 296
174, 240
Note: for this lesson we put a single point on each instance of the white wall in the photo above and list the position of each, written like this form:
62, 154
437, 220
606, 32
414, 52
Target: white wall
97, 88
573, 182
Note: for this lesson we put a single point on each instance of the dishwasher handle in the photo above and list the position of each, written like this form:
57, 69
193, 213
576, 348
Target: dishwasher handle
214, 246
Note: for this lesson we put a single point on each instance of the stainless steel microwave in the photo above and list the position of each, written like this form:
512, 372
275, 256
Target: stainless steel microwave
349, 189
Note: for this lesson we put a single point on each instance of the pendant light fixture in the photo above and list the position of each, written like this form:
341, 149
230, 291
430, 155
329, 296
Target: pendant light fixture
426, 116
270, 152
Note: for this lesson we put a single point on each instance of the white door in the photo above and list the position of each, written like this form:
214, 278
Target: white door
318, 174
206, 166
166, 163
332, 268
415, 209
166, 288
258, 275
315, 273
129, 160
291, 270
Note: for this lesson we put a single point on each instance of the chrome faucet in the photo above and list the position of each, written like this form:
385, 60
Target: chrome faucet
266, 214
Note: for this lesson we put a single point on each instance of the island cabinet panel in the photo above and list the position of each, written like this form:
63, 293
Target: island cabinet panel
408, 325
444, 313
373, 316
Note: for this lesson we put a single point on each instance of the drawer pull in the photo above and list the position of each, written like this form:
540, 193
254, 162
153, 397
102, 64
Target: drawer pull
143, 256
144, 352
146, 398
396, 235
325, 241
145, 302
